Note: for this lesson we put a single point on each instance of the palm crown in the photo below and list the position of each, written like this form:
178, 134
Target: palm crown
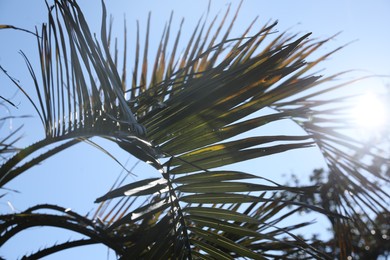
184, 115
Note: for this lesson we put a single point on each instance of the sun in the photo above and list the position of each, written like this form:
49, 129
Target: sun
370, 112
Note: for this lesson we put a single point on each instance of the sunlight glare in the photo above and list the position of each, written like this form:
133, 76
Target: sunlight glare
370, 112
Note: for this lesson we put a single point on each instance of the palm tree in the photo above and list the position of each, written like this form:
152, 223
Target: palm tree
185, 116
366, 236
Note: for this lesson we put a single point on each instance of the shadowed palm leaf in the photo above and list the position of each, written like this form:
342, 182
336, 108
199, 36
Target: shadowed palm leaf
186, 119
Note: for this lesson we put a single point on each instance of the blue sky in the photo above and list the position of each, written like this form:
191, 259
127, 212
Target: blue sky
87, 174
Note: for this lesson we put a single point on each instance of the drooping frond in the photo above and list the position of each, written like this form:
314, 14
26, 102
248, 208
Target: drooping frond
63, 218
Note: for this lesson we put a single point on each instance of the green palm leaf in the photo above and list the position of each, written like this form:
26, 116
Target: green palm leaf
181, 119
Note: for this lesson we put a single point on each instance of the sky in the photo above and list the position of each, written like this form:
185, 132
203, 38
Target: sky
87, 174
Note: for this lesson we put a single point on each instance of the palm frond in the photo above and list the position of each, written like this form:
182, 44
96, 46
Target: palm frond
187, 120
71, 104
15, 223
